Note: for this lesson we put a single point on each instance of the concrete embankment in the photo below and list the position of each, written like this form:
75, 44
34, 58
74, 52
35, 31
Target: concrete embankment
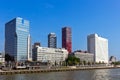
51, 70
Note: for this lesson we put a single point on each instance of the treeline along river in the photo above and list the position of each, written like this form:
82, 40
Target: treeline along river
97, 74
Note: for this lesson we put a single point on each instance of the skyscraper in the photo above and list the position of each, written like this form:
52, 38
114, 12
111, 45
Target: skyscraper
99, 47
17, 39
66, 39
52, 40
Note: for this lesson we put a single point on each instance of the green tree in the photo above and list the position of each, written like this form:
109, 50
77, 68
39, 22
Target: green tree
89, 63
84, 62
9, 58
116, 63
72, 60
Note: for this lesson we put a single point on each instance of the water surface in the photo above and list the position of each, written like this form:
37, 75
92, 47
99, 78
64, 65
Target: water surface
101, 74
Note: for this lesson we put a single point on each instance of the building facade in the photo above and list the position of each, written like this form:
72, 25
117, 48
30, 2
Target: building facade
29, 51
17, 39
67, 39
52, 40
112, 59
36, 44
34, 50
84, 56
98, 46
52, 55
2, 58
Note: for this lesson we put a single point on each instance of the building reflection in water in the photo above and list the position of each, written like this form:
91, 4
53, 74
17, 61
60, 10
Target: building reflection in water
101, 74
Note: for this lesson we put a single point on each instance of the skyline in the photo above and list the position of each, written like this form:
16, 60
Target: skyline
84, 17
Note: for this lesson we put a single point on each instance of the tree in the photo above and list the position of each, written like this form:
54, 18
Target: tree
72, 60
9, 58
84, 62
116, 63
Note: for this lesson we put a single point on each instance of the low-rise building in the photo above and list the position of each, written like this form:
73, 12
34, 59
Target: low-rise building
112, 59
2, 58
84, 56
51, 55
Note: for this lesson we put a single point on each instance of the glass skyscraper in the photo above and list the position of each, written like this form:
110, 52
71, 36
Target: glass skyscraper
52, 40
17, 39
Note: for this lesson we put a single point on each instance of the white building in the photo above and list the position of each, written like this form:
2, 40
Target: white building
52, 55
29, 52
2, 58
98, 46
84, 56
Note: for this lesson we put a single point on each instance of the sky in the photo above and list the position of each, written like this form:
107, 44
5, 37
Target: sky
83, 16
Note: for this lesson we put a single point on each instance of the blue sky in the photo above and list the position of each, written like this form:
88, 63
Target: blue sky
83, 16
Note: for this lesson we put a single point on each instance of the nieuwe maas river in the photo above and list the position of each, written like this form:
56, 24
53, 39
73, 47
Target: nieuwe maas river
101, 74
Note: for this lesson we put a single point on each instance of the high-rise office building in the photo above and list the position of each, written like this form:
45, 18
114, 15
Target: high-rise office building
66, 39
52, 40
17, 39
99, 47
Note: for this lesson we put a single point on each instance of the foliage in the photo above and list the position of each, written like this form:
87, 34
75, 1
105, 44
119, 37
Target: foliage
84, 62
72, 60
116, 63
9, 58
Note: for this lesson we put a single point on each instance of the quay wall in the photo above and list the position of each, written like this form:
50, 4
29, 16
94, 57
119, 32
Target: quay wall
10, 72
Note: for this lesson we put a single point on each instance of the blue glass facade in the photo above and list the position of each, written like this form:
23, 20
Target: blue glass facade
16, 38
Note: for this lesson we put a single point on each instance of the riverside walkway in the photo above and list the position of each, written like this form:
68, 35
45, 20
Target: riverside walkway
10, 72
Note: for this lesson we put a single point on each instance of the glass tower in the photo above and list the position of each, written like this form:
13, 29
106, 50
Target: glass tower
52, 40
16, 39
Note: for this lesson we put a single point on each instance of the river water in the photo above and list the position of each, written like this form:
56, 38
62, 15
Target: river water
101, 74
